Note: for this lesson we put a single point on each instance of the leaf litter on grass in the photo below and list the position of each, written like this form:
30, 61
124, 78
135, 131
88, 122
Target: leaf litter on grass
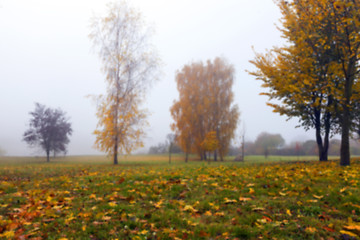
268, 201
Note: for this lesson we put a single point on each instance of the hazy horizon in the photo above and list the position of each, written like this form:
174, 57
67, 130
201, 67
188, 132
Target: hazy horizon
46, 57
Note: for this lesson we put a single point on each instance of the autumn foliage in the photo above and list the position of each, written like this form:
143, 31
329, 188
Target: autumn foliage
314, 76
129, 64
205, 117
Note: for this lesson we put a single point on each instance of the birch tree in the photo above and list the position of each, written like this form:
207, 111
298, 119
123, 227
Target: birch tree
129, 63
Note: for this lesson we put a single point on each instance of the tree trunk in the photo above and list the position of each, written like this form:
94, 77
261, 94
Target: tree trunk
215, 156
186, 157
116, 151
205, 156
320, 145
345, 145
345, 118
48, 155
325, 149
323, 146
266, 152
170, 154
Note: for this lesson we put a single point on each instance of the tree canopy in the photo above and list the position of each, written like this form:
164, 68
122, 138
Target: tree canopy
129, 64
314, 76
205, 108
49, 129
267, 141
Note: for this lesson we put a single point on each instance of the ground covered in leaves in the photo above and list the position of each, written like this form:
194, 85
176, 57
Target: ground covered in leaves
309, 200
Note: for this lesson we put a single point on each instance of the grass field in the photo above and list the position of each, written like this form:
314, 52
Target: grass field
147, 198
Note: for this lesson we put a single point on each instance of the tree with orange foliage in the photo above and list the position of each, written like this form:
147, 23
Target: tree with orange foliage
315, 77
129, 64
205, 106
210, 143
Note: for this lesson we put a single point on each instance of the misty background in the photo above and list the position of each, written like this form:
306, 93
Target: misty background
46, 57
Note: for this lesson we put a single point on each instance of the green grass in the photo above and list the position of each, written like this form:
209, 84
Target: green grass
146, 198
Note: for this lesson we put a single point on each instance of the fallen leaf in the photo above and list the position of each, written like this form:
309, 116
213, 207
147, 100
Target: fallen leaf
189, 208
228, 201
144, 232
258, 209
328, 229
288, 212
208, 213
318, 197
121, 180
310, 230
353, 228
349, 233
244, 199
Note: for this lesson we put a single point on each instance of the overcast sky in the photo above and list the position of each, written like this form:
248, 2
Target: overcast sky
46, 57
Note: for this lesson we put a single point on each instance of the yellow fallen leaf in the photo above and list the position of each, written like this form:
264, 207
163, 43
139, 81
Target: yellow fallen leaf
190, 223
8, 234
288, 212
208, 213
354, 205
353, 228
310, 230
262, 220
318, 197
69, 219
251, 191
144, 232
112, 204
189, 208
228, 201
92, 196
348, 233
158, 204
282, 194
220, 214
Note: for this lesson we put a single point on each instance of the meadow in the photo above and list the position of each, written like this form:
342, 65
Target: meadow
145, 197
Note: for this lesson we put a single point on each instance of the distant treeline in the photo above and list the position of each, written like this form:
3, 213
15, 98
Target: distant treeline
271, 144
307, 148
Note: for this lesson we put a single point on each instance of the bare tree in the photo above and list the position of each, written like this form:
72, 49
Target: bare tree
49, 129
130, 64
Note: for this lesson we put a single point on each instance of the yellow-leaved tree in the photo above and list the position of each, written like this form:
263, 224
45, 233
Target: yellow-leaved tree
130, 64
205, 111
315, 76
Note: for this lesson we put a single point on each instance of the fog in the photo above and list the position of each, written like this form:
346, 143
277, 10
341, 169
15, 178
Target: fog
46, 57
